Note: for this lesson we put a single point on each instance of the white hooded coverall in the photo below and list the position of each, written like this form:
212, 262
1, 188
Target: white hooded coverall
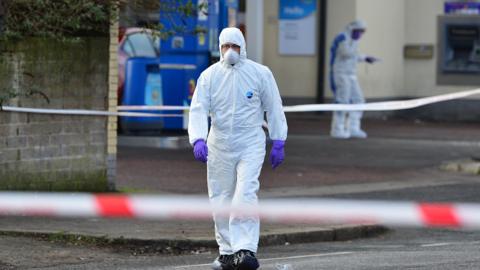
236, 98
344, 57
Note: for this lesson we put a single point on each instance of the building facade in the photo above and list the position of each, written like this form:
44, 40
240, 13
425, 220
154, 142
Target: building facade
404, 34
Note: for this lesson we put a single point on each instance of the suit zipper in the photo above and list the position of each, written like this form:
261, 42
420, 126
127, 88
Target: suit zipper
234, 100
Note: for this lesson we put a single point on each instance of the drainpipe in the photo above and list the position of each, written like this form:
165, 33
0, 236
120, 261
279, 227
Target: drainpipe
322, 36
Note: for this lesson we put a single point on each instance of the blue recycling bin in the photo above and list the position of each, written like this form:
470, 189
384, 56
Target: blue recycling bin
184, 55
171, 78
143, 86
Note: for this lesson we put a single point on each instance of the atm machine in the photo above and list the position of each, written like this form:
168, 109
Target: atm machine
459, 44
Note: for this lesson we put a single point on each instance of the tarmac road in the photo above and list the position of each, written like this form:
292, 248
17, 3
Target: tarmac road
399, 160
395, 150
400, 249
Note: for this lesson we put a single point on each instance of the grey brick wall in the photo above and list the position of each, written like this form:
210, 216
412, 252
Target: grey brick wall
55, 152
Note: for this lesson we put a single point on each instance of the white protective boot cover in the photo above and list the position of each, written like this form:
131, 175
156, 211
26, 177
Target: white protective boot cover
354, 126
338, 129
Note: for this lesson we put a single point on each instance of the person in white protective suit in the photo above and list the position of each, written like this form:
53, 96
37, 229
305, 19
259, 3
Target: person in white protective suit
343, 80
236, 92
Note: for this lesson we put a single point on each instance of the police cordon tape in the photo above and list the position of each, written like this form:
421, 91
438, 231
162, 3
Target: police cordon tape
315, 211
373, 106
383, 106
84, 112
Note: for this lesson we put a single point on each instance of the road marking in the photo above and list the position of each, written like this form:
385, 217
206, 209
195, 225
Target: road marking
383, 246
436, 245
192, 266
306, 256
275, 259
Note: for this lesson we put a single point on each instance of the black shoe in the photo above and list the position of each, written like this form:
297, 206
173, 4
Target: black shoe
245, 260
223, 262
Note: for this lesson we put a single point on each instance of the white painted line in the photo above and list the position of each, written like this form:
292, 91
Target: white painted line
383, 246
276, 259
192, 266
307, 256
436, 245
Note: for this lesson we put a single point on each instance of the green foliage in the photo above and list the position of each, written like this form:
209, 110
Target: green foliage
57, 18
177, 13
65, 19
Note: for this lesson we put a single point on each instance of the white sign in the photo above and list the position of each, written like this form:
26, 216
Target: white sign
297, 27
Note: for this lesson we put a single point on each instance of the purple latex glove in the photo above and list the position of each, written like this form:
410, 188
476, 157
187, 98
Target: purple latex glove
277, 154
370, 59
200, 150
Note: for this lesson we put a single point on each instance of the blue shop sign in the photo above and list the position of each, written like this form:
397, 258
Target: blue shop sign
296, 9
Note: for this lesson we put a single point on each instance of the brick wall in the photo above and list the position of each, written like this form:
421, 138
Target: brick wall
56, 152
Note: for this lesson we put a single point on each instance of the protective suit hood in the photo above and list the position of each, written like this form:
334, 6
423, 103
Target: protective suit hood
357, 24
235, 36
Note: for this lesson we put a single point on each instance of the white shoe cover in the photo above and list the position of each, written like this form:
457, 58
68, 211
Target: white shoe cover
339, 134
359, 134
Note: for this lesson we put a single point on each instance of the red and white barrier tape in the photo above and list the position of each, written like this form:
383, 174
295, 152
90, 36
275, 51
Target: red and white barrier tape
451, 215
373, 106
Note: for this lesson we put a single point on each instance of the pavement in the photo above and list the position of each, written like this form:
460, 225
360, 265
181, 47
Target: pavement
147, 236
398, 154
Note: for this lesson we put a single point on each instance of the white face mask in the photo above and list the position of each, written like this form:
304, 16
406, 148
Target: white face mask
231, 57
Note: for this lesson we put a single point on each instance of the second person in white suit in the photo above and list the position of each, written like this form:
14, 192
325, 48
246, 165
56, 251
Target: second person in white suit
344, 57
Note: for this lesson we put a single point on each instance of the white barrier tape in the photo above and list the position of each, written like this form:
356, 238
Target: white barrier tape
151, 108
373, 106
451, 215
84, 112
382, 106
